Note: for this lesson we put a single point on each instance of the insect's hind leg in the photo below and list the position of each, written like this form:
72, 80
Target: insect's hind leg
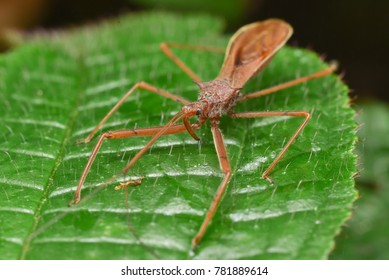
331, 68
141, 85
166, 48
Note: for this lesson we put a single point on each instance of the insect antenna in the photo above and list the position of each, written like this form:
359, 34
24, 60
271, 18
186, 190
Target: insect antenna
161, 132
132, 229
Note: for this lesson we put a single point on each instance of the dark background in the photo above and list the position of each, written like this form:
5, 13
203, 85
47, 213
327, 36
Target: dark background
353, 32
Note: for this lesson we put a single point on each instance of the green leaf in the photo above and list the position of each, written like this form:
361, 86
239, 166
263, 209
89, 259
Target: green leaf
54, 90
366, 234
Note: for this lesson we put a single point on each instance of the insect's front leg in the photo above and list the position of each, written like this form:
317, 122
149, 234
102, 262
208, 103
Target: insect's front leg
225, 167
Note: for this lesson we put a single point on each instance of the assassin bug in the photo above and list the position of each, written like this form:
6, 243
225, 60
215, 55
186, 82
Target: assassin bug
249, 50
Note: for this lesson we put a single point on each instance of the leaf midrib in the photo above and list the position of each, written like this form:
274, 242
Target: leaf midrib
80, 81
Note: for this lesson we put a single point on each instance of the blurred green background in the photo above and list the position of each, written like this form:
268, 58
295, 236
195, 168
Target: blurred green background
352, 32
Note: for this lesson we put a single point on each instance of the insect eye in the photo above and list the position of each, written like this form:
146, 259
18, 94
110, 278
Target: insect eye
198, 112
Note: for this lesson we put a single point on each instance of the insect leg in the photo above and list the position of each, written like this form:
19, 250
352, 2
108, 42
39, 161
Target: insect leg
141, 85
304, 114
174, 129
225, 167
291, 83
166, 48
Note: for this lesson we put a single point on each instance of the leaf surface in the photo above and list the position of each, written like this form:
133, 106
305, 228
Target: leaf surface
365, 236
55, 89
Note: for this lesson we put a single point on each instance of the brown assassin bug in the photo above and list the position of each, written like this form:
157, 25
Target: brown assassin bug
249, 50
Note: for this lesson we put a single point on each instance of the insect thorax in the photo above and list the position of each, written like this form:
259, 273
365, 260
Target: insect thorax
219, 95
